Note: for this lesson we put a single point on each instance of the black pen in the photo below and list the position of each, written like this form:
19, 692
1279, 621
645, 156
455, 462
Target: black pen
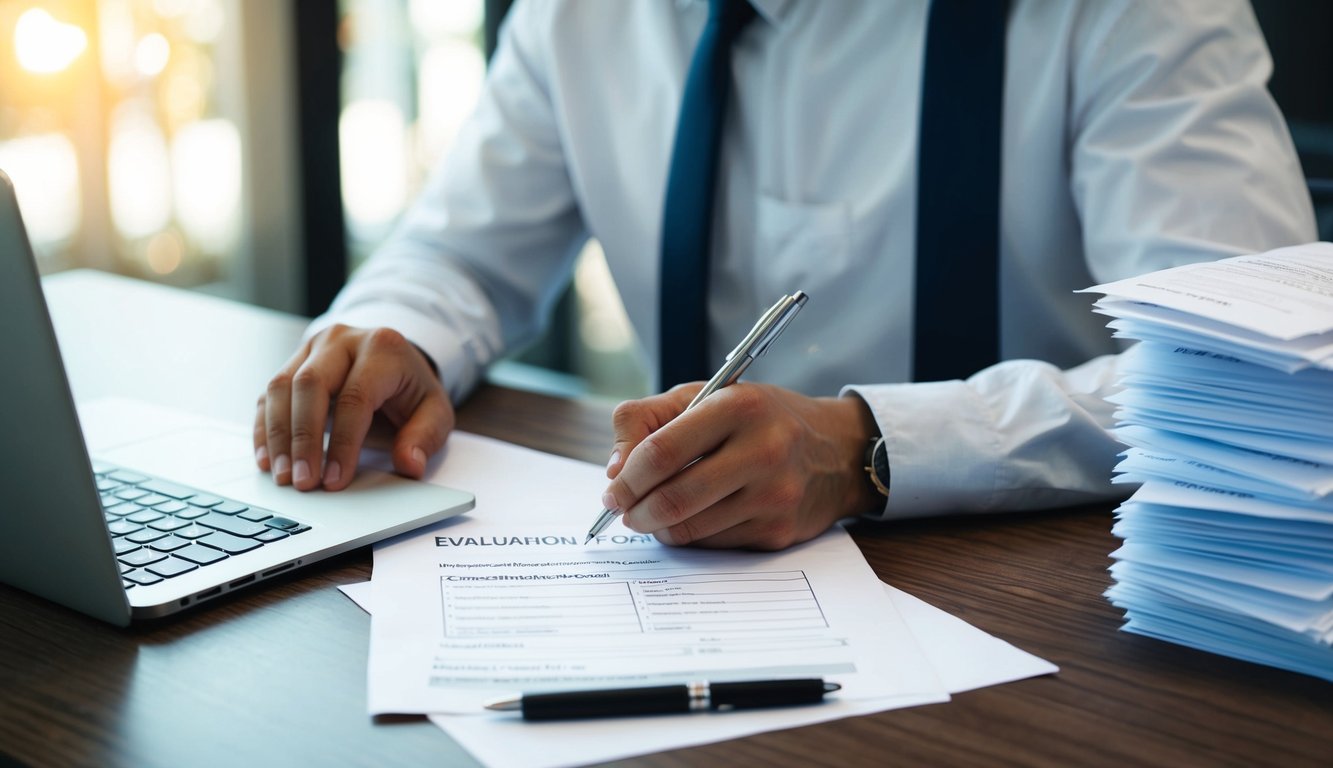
666, 699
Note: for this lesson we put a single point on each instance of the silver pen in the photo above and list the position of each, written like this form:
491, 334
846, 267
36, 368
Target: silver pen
770, 325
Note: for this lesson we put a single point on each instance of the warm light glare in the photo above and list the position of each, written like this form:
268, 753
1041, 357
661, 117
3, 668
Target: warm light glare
45, 172
373, 137
151, 55
604, 326
171, 9
449, 82
45, 46
139, 174
164, 252
206, 167
183, 98
116, 40
456, 18
205, 21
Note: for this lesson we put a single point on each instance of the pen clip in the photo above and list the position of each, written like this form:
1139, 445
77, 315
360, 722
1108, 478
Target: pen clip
755, 343
786, 310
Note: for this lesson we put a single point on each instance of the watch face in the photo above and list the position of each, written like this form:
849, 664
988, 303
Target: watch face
879, 466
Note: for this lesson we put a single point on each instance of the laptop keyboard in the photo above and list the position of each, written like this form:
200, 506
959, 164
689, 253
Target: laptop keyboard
162, 529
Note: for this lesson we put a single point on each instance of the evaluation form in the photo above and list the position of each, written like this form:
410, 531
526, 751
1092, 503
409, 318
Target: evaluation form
508, 600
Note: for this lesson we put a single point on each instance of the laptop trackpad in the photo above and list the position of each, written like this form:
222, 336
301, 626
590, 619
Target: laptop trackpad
200, 456
218, 458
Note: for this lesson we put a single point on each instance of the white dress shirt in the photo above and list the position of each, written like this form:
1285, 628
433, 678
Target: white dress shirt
1137, 136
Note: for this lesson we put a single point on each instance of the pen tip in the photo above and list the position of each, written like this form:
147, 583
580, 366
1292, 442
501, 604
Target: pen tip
585, 541
831, 687
508, 704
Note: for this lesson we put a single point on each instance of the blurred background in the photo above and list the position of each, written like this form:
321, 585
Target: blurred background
261, 149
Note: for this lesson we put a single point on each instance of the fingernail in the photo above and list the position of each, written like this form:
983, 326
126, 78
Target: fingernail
281, 465
614, 460
419, 456
301, 471
261, 455
333, 472
609, 501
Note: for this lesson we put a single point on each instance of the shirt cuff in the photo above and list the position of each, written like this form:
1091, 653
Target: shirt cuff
941, 445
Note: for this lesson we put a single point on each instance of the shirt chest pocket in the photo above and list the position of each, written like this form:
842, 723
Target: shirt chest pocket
803, 246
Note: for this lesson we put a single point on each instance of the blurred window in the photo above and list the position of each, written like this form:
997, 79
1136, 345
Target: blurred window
113, 130
412, 73
160, 139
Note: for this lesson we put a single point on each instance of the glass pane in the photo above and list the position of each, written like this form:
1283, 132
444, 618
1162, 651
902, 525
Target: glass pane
412, 73
113, 133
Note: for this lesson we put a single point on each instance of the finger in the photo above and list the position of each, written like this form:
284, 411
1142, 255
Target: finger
633, 420
423, 434
763, 517
278, 421
667, 451
261, 436
365, 389
766, 534
277, 401
392, 376
689, 494
708, 522
322, 374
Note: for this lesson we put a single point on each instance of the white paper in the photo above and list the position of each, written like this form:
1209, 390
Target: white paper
1311, 617
1229, 538
964, 657
1306, 585
1306, 478
1172, 467
508, 599
950, 653
1171, 363
507, 740
360, 593
483, 608
1197, 496
1157, 614
1285, 294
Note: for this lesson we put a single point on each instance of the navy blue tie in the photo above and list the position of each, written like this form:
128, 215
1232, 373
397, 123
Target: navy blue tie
958, 190
687, 218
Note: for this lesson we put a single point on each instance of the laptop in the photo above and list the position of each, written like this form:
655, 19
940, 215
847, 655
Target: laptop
167, 511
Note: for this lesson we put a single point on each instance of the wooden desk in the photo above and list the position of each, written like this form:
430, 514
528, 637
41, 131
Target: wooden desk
276, 676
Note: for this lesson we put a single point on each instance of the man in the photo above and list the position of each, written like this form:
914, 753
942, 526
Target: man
1135, 136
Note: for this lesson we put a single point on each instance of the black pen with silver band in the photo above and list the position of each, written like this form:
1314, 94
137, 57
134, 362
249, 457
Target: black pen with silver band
666, 699
769, 326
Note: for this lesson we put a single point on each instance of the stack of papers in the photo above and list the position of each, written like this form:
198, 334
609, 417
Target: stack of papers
1227, 406
508, 599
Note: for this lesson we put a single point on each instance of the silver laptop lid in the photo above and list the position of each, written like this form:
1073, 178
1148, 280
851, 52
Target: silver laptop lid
53, 539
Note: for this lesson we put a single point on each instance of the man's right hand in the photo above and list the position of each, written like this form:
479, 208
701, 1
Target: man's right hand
349, 374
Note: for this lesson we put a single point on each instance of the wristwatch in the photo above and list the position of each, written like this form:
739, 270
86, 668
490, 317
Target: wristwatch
877, 465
